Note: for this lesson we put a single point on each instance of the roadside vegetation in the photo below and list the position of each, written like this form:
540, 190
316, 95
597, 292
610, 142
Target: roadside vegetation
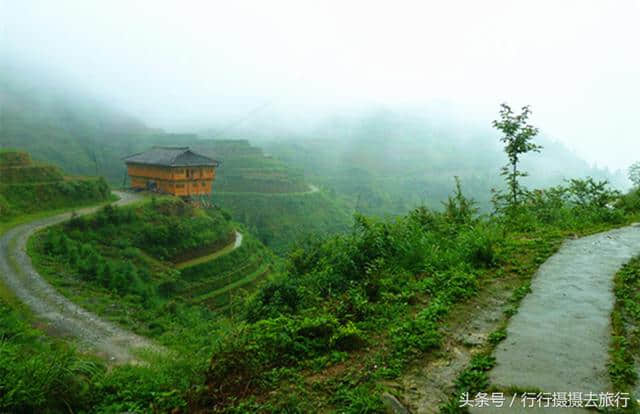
355, 310
119, 263
625, 323
28, 187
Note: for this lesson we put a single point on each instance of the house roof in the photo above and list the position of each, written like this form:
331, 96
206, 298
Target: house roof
171, 157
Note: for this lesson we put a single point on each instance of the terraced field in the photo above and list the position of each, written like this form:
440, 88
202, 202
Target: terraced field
215, 283
28, 187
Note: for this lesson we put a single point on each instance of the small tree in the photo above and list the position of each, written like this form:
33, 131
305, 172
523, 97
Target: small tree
634, 173
517, 141
458, 208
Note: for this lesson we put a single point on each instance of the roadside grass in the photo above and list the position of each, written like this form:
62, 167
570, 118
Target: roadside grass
26, 218
524, 265
624, 349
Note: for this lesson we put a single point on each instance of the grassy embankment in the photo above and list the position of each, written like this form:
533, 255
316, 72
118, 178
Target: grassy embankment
27, 188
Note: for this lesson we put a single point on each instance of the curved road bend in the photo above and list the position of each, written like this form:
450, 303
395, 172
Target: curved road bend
62, 315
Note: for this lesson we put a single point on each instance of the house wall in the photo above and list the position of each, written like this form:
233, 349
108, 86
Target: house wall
179, 181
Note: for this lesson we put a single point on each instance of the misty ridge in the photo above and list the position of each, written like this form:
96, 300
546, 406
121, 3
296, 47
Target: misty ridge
404, 155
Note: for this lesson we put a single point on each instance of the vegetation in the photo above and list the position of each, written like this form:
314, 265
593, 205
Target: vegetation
325, 330
388, 286
45, 375
125, 255
280, 220
517, 142
386, 162
625, 321
28, 188
634, 174
247, 169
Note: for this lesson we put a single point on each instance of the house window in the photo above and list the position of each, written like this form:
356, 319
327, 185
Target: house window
179, 185
203, 183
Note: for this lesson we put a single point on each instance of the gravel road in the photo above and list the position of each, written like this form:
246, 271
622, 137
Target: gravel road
61, 315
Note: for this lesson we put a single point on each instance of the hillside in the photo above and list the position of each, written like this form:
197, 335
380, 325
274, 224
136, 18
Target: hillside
248, 169
388, 162
58, 123
29, 187
270, 197
143, 258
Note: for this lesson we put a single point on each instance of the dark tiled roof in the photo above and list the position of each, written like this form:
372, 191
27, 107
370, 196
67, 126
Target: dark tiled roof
171, 157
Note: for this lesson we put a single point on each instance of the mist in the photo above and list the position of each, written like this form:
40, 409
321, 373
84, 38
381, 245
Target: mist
192, 66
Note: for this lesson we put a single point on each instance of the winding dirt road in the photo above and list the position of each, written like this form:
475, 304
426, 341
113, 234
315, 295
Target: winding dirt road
61, 315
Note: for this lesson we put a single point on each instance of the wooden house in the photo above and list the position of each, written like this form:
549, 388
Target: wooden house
172, 170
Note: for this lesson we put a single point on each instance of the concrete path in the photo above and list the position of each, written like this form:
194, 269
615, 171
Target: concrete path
559, 339
61, 315
238, 241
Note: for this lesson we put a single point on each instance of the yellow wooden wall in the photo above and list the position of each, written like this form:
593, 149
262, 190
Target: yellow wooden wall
180, 181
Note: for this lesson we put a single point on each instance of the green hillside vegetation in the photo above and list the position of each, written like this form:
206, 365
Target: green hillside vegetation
127, 255
354, 311
89, 138
45, 375
30, 187
270, 197
346, 315
281, 220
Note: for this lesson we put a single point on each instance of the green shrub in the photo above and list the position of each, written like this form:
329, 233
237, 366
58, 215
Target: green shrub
497, 336
348, 338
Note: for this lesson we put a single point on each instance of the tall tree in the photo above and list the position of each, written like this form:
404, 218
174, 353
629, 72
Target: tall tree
634, 173
517, 138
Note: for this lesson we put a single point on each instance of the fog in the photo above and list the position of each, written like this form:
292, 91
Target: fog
198, 65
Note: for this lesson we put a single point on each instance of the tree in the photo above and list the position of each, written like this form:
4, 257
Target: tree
634, 173
458, 208
517, 141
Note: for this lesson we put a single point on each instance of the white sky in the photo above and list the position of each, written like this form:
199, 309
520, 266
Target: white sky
186, 62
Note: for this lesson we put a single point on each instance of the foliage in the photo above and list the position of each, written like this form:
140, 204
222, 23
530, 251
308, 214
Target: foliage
40, 374
517, 142
572, 206
630, 202
458, 208
34, 197
281, 220
166, 229
392, 282
634, 173
107, 258
625, 320
353, 309
362, 284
